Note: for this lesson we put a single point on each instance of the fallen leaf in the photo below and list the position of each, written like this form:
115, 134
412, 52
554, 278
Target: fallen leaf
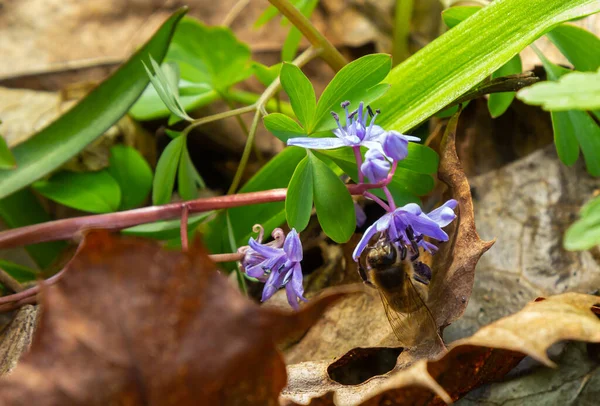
132, 323
486, 356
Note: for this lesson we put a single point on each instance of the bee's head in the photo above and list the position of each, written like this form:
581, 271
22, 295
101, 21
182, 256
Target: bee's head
383, 255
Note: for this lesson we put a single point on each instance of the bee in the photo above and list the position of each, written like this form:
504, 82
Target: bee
402, 283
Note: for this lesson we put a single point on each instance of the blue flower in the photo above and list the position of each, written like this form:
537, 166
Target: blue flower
355, 133
395, 145
375, 167
409, 223
277, 267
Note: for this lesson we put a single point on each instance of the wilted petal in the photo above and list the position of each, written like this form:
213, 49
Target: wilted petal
444, 214
375, 167
317, 143
292, 246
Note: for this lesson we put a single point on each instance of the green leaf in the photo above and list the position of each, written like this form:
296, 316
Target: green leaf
7, 160
188, 178
23, 209
355, 82
167, 229
573, 91
299, 198
133, 174
86, 121
333, 203
283, 127
498, 103
19, 272
165, 81
579, 46
301, 93
454, 15
266, 74
572, 127
210, 55
585, 232
94, 192
437, 75
166, 168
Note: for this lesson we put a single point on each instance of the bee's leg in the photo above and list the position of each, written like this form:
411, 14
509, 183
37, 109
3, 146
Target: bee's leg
363, 275
403, 252
422, 272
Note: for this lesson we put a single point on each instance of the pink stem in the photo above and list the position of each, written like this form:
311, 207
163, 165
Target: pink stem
183, 231
358, 157
68, 228
390, 198
377, 200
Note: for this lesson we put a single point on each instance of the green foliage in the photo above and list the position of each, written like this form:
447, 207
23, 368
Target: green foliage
574, 127
333, 203
301, 94
90, 118
455, 15
19, 272
498, 103
7, 160
168, 229
266, 74
94, 192
188, 178
283, 127
133, 174
299, 198
210, 60
573, 91
435, 76
585, 232
23, 209
579, 46
165, 80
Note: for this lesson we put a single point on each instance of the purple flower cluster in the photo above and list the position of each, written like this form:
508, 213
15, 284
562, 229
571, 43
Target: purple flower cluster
276, 266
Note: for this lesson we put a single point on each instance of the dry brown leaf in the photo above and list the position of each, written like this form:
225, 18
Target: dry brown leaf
15, 337
486, 356
131, 322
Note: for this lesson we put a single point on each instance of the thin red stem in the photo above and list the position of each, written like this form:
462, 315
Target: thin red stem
390, 198
68, 228
377, 200
183, 229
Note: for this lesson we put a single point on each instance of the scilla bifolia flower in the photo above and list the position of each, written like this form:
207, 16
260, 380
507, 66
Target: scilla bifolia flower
275, 265
409, 224
375, 167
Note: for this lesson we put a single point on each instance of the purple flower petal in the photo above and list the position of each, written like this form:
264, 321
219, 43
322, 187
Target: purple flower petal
424, 225
317, 143
272, 285
375, 167
294, 289
263, 249
444, 214
292, 246
379, 226
395, 145
375, 133
361, 217
427, 246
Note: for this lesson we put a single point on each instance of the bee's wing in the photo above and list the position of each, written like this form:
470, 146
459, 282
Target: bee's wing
410, 326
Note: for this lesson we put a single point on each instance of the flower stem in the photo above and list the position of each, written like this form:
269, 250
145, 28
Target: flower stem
358, 157
216, 117
377, 200
330, 54
390, 198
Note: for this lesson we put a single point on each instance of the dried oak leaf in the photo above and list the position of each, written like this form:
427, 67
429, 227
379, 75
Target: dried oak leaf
360, 321
484, 357
132, 323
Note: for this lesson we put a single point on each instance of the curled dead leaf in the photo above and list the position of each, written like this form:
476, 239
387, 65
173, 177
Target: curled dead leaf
132, 322
486, 356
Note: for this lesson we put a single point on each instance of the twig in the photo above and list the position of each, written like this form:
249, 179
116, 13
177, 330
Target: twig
183, 230
511, 83
235, 12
